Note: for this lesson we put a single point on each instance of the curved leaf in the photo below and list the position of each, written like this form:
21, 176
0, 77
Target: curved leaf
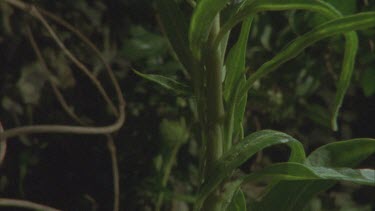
297, 171
348, 23
250, 7
351, 47
343, 153
331, 156
241, 152
167, 83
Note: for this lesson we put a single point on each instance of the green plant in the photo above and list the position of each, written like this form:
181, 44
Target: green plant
220, 86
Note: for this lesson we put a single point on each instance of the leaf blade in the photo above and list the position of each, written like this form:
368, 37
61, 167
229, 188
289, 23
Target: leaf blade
168, 83
334, 155
244, 150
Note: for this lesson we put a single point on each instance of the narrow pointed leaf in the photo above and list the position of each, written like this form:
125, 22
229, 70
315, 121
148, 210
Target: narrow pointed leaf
297, 171
332, 156
353, 22
241, 152
343, 153
351, 47
168, 83
235, 63
250, 7
176, 28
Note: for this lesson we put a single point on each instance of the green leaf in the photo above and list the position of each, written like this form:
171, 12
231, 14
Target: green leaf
176, 27
331, 156
351, 47
241, 152
249, 8
235, 78
235, 62
297, 171
348, 8
201, 22
342, 154
252, 7
340, 25
144, 44
168, 83
238, 202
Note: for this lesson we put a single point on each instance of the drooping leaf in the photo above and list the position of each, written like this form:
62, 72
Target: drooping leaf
343, 153
168, 83
252, 7
249, 8
297, 171
340, 25
351, 47
241, 152
176, 28
331, 156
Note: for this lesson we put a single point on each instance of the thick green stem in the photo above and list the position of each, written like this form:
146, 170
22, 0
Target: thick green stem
214, 97
215, 111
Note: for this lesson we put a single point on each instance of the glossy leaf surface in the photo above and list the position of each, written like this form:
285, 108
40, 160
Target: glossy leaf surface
331, 157
241, 152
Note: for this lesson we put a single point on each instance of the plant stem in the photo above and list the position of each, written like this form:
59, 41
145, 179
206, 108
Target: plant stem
214, 97
215, 110
167, 173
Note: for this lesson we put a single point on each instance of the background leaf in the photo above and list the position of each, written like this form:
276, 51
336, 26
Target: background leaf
167, 83
176, 28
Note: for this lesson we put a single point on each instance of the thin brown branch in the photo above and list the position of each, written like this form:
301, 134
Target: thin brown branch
25, 204
65, 129
60, 98
33, 11
115, 172
84, 39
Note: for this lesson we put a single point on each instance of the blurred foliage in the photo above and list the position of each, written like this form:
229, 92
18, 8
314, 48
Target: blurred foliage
73, 173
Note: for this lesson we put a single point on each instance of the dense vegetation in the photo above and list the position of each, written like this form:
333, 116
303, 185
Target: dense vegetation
158, 149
